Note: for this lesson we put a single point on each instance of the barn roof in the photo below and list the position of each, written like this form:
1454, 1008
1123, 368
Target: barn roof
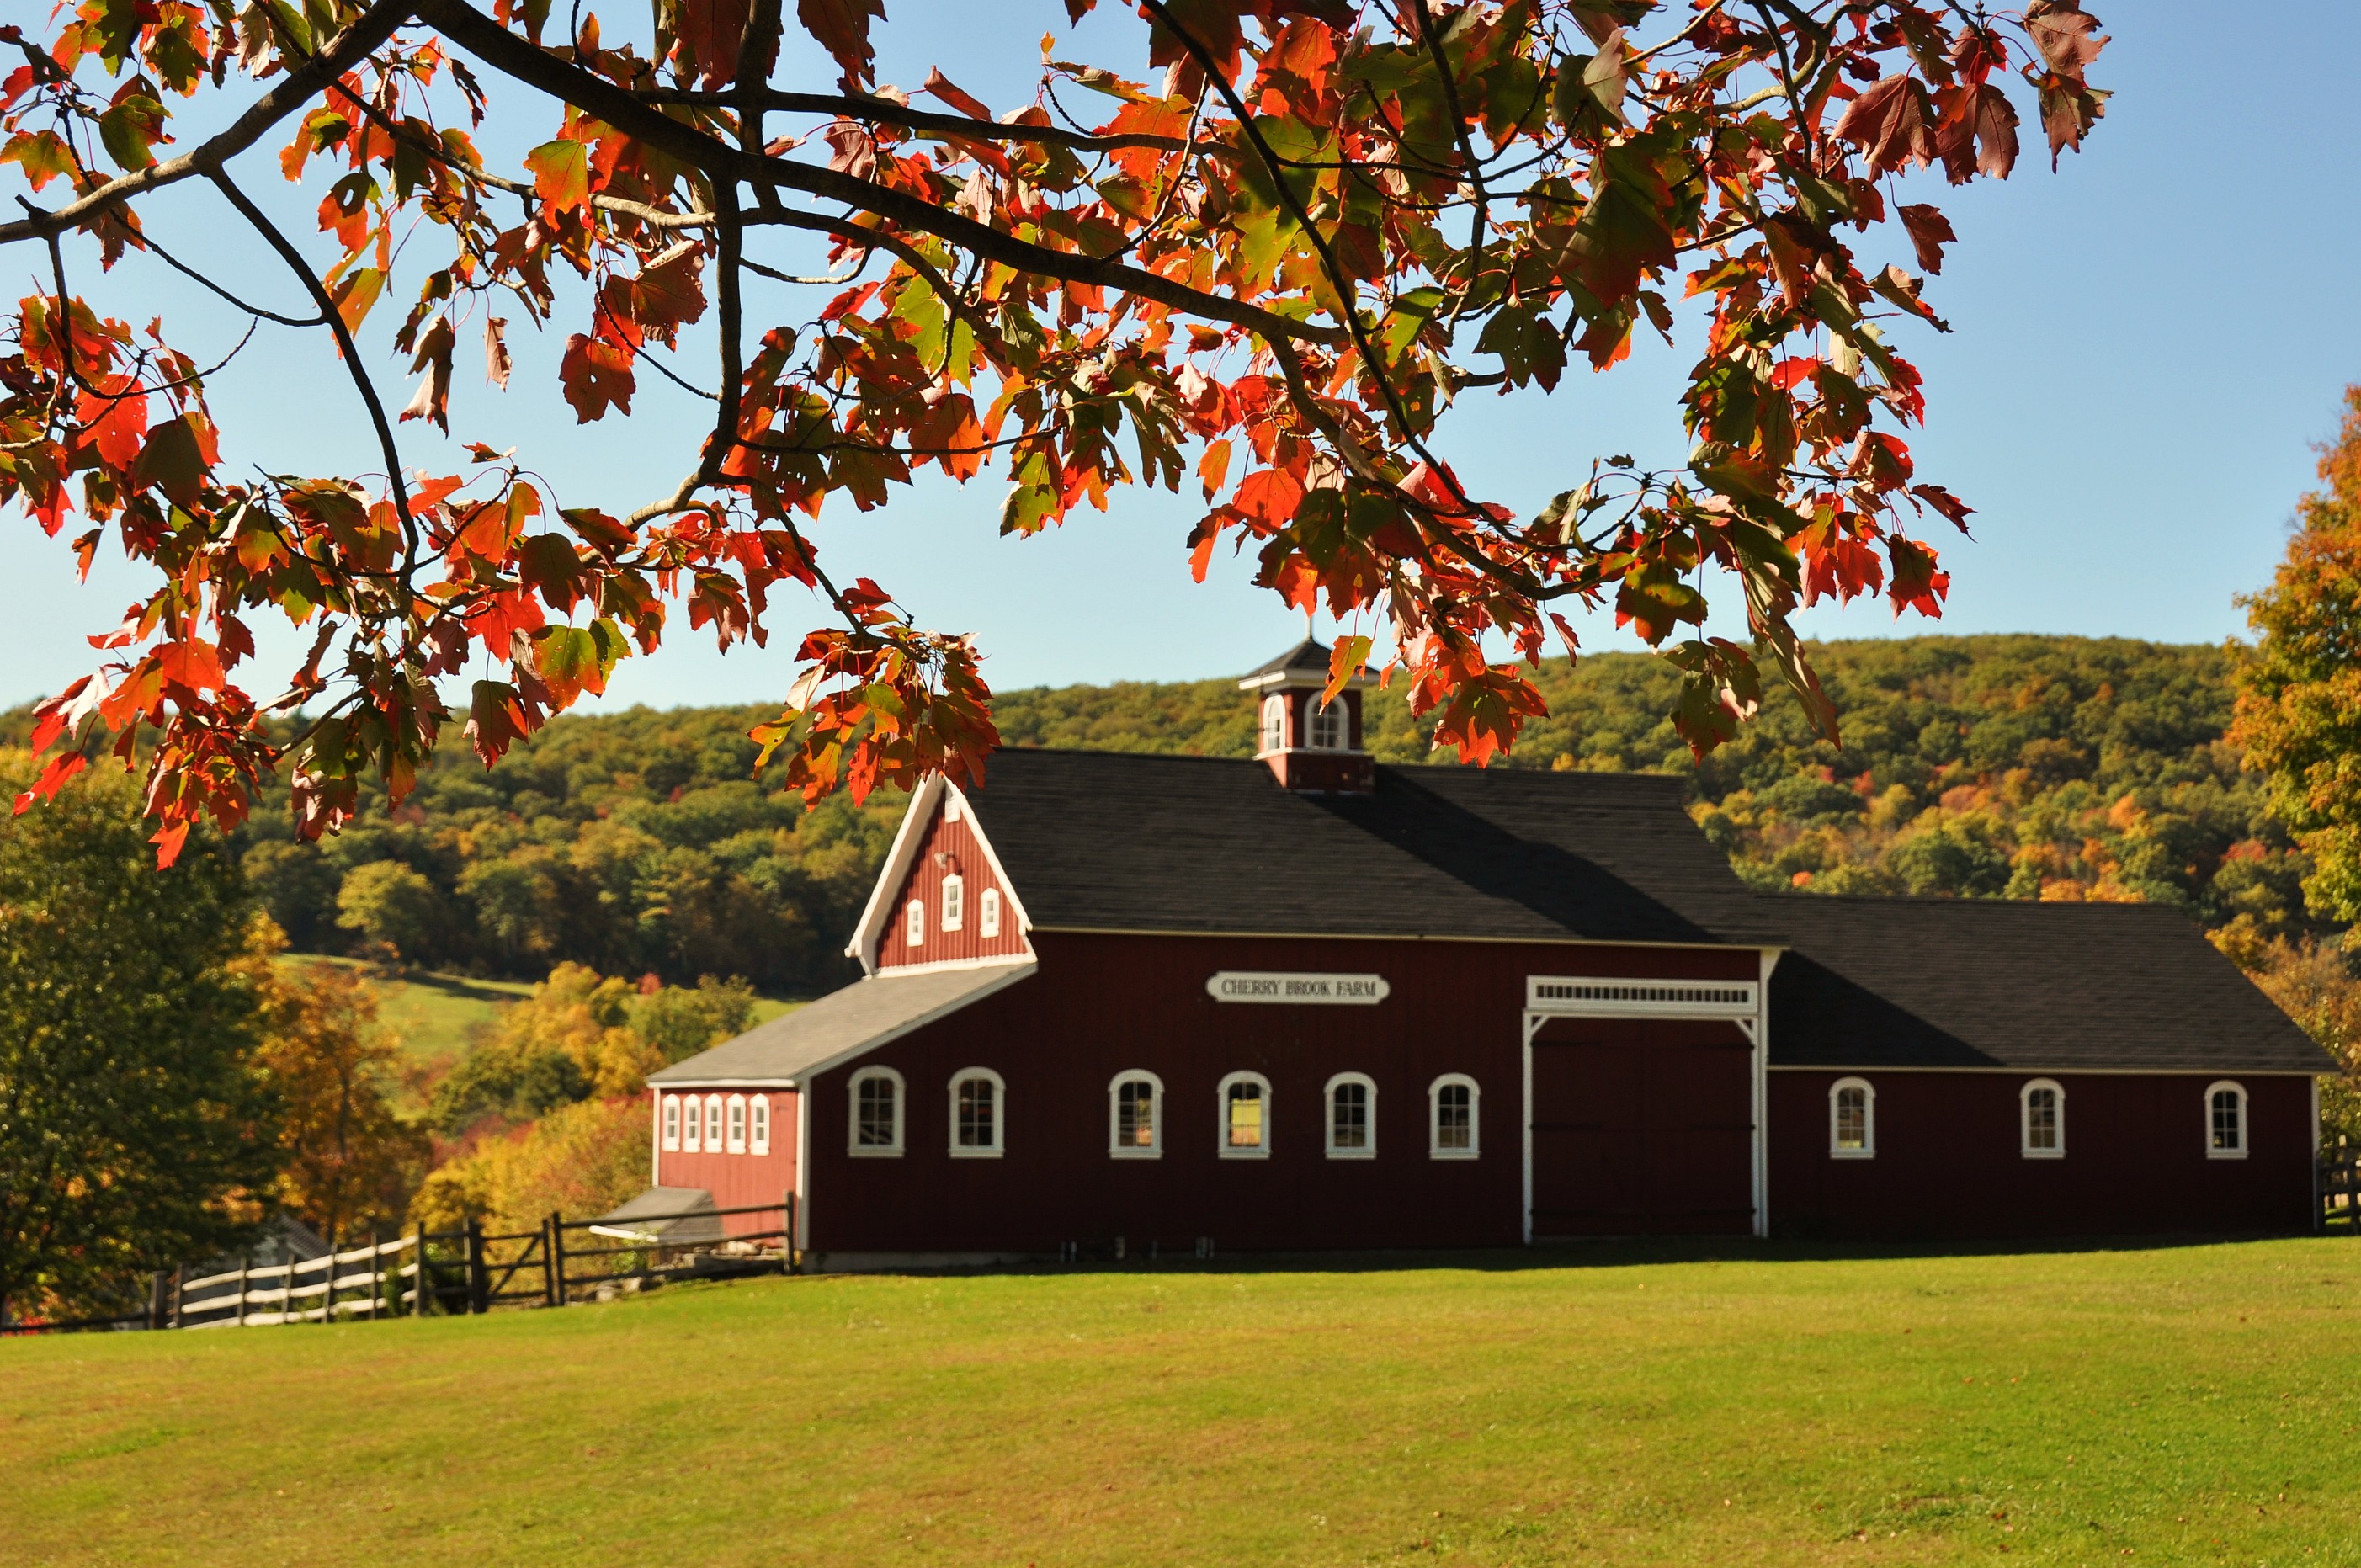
1911, 983
1124, 842
817, 1036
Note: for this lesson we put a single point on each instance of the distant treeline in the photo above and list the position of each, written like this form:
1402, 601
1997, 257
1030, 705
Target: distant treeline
1976, 766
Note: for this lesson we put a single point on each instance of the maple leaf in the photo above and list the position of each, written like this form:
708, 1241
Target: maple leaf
560, 174
496, 361
1929, 232
597, 374
1890, 122
433, 398
842, 28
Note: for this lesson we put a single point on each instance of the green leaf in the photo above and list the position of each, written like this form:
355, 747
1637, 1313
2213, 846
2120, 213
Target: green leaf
130, 130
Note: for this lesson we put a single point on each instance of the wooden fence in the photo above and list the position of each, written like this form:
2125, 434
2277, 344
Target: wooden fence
2340, 1188
456, 1273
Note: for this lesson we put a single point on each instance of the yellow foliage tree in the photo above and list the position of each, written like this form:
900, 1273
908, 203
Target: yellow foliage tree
351, 1159
578, 1161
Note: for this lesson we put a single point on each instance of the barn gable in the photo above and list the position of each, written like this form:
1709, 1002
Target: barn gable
942, 897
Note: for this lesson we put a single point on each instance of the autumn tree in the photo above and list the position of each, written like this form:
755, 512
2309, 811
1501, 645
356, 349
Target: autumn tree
390, 904
1261, 258
135, 1131
351, 1160
2299, 712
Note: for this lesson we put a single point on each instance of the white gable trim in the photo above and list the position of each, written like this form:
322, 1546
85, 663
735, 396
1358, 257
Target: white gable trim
925, 806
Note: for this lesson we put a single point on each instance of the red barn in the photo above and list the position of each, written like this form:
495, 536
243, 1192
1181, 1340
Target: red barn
1118, 1003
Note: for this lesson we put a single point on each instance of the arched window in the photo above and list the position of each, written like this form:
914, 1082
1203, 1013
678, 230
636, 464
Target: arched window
914, 921
1243, 1105
737, 1124
1852, 1119
1352, 1117
672, 1121
1451, 1117
1135, 1117
1328, 726
2225, 1120
954, 902
876, 1112
1274, 722
713, 1123
987, 912
2043, 1104
977, 1102
692, 1125
758, 1138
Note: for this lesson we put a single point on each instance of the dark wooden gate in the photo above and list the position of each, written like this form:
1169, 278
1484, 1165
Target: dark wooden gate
1642, 1127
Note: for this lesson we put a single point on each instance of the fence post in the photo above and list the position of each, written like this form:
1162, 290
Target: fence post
789, 1262
479, 1285
418, 1250
179, 1281
243, 1269
156, 1300
553, 1258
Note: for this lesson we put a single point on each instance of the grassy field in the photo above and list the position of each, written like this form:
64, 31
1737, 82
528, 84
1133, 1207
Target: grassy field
2194, 1405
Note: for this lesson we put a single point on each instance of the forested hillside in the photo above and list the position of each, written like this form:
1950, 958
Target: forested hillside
1977, 766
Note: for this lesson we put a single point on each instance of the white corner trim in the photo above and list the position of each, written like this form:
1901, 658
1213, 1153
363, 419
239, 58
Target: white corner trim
916, 818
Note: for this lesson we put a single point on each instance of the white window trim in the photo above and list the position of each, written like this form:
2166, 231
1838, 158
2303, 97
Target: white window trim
1155, 1149
2025, 1119
999, 1114
1868, 1149
713, 1130
1434, 1149
2245, 1129
758, 1124
987, 912
1274, 736
954, 902
692, 1124
671, 1143
914, 923
1221, 1147
735, 1109
1328, 1116
951, 802
853, 1145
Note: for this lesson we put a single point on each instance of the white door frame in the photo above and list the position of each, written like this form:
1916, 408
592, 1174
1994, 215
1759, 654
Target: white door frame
1743, 1002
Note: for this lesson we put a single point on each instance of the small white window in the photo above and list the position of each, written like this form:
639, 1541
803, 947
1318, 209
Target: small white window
2225, 1121
987, 912
1852, 1119
2044, 1106
978, 1101
914, 923
1242, 1105
736, 1144
713, 1123
758, 1109
951, 803
672, 1121
1274, 722
954, 902
1135, 1117
1451, 1117
1352, 1117
1328, 726
876, 1113
692, 1127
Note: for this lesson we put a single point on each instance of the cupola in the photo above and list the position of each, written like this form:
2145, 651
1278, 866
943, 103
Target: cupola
1311, 746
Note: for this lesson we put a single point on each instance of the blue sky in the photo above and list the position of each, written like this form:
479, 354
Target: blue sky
2147, 344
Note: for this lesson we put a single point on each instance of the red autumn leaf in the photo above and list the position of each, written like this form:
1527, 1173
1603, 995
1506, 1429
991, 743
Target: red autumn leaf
62, 766
1890, 122
433, 398
194, 663
1917, 585
596, 375
842, 28
560, 174
1929, 231
950, 92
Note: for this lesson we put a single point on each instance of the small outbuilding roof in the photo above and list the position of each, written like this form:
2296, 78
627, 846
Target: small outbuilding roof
1306, 658
1966, 983
672, 1216
843, 1024
1095, 841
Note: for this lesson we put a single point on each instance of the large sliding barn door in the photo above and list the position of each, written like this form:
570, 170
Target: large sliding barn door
1642, 1127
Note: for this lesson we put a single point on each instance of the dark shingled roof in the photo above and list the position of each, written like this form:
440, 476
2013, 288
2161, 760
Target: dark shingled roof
1306, 657
1891, 982
1110, 841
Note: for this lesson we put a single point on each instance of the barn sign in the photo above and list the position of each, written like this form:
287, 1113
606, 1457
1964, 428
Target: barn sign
1260, 985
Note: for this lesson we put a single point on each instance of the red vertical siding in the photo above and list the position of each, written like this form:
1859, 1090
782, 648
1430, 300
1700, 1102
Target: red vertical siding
1948, 1163
1101, 1004
737, 1180
943, 848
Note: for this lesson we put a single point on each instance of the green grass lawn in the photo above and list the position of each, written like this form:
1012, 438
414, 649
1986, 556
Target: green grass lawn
2194, 1405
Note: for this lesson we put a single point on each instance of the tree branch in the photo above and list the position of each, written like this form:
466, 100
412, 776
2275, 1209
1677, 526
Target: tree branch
884, 111
294, 90
512, 56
